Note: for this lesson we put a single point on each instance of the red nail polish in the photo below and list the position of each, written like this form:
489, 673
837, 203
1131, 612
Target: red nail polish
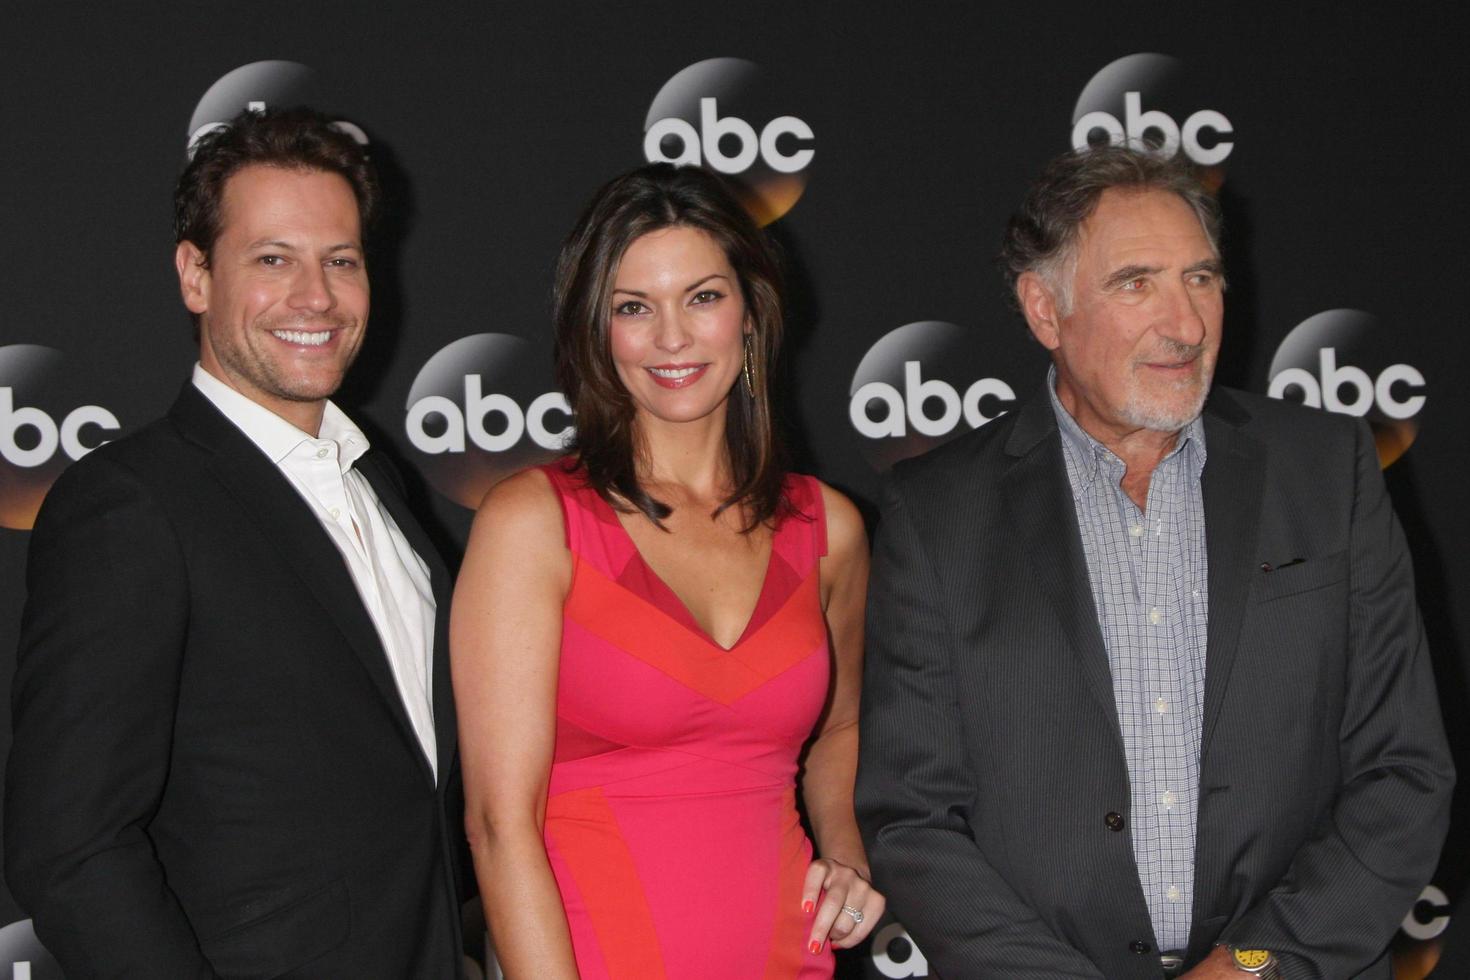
807, 907
816, 947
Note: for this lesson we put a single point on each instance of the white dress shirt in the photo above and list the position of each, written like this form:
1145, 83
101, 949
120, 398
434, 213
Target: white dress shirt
391, 578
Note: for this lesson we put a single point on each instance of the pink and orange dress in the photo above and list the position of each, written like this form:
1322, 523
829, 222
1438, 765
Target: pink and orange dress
671, 821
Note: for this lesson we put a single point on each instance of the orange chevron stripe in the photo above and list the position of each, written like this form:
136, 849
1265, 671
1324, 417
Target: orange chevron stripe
788, 941
636, 626
602, 867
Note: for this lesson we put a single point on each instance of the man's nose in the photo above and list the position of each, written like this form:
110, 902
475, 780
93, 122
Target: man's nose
311, 290
1184, 320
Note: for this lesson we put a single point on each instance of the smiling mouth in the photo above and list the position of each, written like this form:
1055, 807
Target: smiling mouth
676, 374
303, 338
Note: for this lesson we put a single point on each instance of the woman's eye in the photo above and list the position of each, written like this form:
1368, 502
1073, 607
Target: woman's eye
707, 296
630, 308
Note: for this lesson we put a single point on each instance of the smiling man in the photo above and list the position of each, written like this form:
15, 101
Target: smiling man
234, 745
1147, 691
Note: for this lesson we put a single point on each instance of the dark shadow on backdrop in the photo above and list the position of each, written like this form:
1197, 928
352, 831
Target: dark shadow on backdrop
384, 260
1242, 306
802, 315
1433, 588
385, 329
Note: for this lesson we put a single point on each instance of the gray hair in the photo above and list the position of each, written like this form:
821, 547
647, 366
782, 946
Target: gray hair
1042, 236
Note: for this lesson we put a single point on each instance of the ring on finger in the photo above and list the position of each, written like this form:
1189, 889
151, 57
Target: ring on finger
857, 914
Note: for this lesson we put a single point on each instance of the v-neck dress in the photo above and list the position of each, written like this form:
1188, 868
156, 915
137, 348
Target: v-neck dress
671, 821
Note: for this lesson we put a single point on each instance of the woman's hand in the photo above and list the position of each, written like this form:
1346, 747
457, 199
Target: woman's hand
849, 906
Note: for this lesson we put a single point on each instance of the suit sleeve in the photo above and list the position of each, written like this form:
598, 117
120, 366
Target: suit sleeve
915, 787
1348, 888
97, 678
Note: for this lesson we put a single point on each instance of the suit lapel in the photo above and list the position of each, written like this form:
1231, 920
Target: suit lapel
1038, 492
385, 484
269, 500
1231, 485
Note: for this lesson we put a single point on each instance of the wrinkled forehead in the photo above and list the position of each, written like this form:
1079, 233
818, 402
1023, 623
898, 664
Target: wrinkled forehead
1129, 224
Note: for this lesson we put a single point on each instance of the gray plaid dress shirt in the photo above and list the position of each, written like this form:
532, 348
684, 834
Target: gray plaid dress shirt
1148, 571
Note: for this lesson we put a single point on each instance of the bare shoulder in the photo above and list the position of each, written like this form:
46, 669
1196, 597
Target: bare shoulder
525, 503
519, 526
847, 537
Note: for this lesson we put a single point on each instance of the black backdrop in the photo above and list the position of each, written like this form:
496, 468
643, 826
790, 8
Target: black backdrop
1344, 189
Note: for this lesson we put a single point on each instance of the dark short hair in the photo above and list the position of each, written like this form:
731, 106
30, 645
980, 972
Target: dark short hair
294, 139
652, 197
1042, 236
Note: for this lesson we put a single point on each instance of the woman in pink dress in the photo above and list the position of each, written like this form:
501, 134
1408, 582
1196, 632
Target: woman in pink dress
657, 640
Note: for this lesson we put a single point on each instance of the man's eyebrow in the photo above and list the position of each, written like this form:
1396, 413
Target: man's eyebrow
287, 246
1212, 266
1128, 273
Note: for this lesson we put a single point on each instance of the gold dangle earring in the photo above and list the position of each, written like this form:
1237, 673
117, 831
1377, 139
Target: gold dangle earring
748, 373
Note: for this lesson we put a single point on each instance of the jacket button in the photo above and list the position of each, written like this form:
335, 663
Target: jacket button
1115, 822
1138, 946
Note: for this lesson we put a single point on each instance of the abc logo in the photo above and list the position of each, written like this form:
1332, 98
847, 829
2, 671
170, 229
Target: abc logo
256, 86
919, 386
1430, 915
895, 955
721, 114
1417, 952
1111, 110
1333, 360
44, 426
481, 409
23, 957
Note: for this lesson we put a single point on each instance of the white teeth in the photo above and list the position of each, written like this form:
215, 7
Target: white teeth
303, 337
673, 373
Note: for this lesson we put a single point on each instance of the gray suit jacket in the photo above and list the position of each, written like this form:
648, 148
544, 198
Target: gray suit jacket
992, 779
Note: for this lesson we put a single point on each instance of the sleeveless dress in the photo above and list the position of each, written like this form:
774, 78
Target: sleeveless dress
671, 821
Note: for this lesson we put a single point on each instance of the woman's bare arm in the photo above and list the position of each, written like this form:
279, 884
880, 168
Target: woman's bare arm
505, 643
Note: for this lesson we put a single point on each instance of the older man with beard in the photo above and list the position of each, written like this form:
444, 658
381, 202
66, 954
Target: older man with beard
1147, 689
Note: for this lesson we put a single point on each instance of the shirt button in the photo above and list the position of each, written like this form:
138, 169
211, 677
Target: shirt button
1161, 706
1138, 946
1136, 530
1172, 893
1155, 616
1115, 822
322, 452
336, 513
1167, 798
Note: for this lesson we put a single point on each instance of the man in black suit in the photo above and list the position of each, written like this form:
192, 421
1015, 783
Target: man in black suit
1147, 691
233, 723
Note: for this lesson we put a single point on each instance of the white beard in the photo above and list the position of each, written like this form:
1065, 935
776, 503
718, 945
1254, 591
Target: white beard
1171, 408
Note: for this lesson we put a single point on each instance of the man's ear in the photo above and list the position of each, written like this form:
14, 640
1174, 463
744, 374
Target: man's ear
1039, 307
194, 279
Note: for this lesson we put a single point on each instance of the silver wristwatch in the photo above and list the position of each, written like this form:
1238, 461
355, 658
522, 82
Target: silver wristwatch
1258, 962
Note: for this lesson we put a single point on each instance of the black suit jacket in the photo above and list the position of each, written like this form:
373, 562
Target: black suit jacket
993, 777
212, 772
